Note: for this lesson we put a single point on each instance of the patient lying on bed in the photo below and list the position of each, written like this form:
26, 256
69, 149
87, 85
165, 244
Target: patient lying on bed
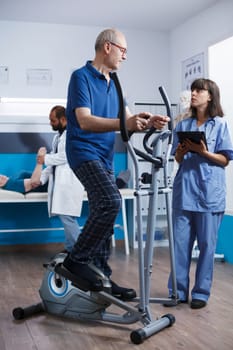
26, 181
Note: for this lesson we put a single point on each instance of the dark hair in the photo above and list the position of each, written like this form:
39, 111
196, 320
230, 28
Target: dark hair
60, 111
214, 107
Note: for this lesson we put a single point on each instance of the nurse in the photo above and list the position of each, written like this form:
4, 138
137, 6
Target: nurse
199, 191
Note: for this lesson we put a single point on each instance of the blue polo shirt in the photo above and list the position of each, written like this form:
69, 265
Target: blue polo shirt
89, 88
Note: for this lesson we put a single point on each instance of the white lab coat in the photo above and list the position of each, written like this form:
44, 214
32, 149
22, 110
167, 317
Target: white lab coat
65, 192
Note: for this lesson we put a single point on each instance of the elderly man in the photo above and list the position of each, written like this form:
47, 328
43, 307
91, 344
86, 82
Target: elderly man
92, 119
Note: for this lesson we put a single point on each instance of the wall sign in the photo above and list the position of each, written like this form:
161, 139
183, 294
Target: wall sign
4, 75
192, 68
41, 77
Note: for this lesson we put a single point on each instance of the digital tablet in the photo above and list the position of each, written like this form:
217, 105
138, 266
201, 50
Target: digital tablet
194, 136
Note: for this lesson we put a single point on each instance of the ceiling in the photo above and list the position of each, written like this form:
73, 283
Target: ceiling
152, 15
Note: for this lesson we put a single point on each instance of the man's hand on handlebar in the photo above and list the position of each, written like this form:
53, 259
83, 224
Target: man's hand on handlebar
143, 121
138, 122
158, 121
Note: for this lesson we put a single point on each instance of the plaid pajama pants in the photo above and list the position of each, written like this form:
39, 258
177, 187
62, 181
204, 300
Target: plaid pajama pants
104, 200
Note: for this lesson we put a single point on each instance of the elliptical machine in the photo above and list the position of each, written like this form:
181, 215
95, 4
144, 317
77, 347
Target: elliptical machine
60, 296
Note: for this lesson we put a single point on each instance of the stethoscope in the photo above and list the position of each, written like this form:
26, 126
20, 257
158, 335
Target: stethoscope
208, 127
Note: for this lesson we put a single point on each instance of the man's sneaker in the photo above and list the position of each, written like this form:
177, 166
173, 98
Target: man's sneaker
122, 293
81, 275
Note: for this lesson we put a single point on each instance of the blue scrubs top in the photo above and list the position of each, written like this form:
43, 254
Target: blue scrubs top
200, 184
89, 88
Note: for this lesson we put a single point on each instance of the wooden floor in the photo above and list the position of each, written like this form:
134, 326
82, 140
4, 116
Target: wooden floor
210, 328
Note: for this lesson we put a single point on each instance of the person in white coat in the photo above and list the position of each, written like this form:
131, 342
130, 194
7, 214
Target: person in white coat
65, 192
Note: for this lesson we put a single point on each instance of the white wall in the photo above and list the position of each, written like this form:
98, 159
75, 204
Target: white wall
63, 48
154, 58
221, 70
195, 36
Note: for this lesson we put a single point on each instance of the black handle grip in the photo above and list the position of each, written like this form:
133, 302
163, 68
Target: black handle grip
123, 129
168, 109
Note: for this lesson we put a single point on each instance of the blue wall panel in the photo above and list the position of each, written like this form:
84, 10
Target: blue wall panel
13, 164
35, 215
225, 239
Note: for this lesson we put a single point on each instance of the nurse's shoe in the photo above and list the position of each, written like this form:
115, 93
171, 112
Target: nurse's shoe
197, 304
174, 302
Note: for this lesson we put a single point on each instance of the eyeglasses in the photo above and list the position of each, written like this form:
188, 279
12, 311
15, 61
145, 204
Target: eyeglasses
123, 50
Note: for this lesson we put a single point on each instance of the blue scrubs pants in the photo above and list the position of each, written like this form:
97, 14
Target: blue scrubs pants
187, 227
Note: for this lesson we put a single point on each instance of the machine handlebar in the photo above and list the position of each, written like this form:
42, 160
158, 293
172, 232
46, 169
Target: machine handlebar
125, 134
